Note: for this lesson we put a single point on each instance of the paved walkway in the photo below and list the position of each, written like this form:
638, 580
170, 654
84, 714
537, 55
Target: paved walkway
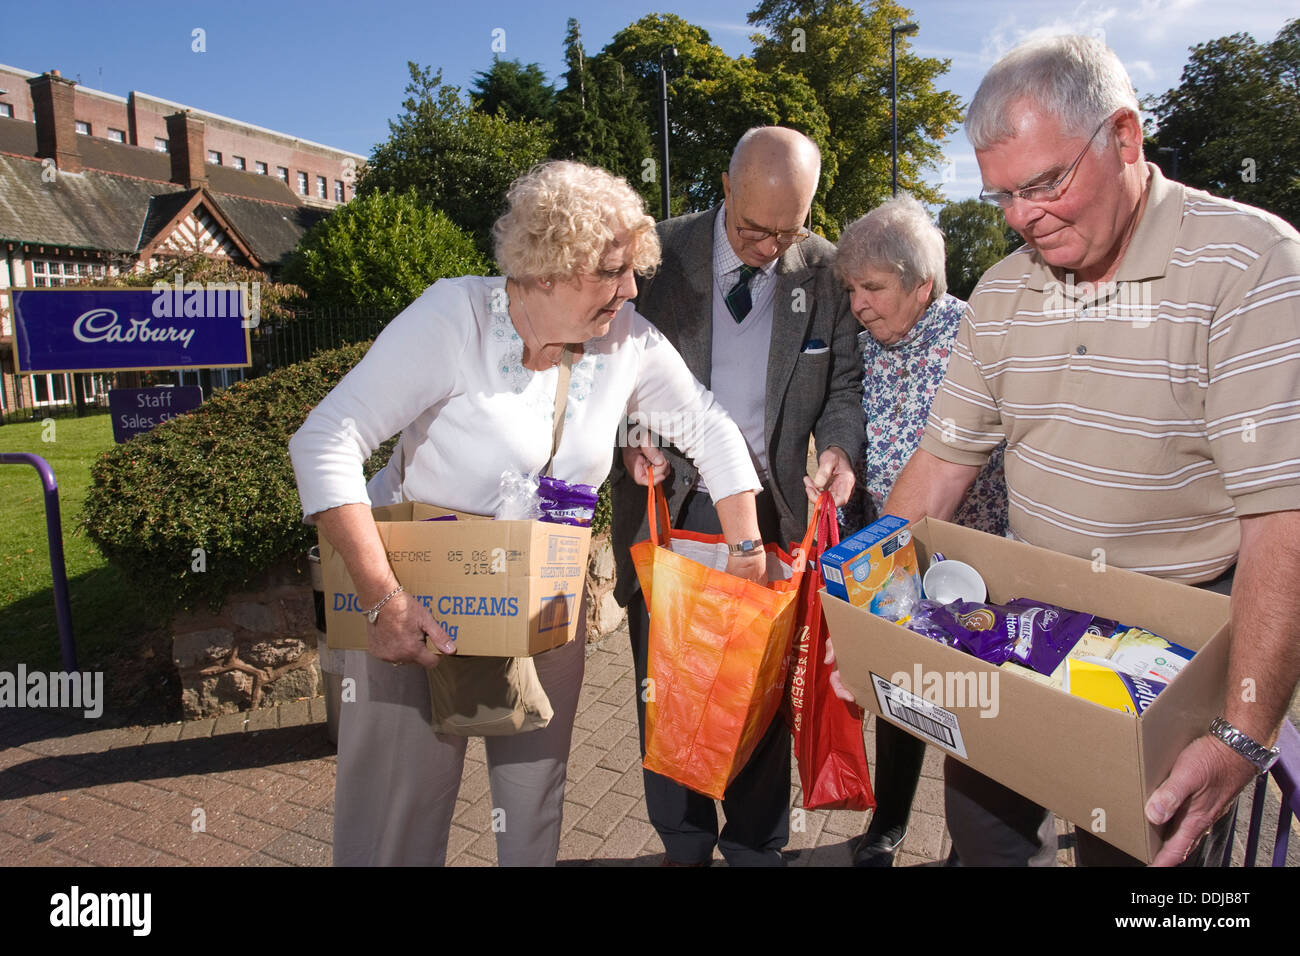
258, 790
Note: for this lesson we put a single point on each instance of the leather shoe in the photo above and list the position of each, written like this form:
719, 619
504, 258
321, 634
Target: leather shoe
876, 849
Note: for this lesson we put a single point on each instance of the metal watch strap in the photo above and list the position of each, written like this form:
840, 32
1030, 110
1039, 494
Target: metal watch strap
745, 547
1262, 757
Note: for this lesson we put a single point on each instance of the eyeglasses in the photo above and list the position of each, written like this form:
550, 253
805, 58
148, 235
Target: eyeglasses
1045, 193
782, 238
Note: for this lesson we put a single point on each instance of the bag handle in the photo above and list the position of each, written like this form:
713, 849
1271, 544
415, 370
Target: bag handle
656, 509
828, 528
821, 527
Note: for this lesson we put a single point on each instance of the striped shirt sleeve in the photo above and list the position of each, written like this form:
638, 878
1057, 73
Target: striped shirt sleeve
1252, 405
964, 425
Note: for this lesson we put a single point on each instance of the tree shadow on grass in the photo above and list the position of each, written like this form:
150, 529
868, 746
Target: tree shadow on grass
117, 631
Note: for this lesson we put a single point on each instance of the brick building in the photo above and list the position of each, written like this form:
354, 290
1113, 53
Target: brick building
92, 184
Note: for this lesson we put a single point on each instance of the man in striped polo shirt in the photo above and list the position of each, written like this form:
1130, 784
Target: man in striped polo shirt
1140, 354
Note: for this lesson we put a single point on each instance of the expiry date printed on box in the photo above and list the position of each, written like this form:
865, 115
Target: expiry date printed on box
923, 718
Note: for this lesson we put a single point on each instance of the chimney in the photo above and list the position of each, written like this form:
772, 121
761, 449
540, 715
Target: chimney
56, 125
185, 145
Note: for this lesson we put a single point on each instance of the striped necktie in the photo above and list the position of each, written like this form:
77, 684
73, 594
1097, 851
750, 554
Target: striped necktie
738, 300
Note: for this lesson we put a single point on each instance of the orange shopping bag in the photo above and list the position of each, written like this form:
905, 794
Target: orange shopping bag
719, 651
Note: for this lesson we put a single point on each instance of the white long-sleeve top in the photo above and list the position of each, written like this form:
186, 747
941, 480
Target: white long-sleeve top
447, 374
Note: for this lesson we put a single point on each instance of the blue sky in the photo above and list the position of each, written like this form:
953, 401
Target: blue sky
334, 71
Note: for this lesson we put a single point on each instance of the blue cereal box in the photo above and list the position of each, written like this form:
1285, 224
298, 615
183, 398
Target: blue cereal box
866, 567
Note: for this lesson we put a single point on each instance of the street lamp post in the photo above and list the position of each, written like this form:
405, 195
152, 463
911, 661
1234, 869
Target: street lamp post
894, 31
663, 126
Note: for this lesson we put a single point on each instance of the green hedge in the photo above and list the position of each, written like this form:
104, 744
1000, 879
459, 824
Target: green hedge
219, 480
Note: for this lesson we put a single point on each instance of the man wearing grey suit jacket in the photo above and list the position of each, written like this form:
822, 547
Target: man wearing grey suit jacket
749, 299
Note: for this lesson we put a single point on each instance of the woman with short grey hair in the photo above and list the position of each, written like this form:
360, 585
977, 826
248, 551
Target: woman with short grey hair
892, 263
897, 240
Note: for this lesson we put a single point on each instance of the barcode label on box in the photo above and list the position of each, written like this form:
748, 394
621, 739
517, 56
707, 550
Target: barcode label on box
919, 716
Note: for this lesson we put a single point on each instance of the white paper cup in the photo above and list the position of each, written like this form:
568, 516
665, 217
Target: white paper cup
949, 581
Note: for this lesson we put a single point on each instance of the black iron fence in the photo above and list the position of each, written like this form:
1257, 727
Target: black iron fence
35, 398
293, 337
276, 341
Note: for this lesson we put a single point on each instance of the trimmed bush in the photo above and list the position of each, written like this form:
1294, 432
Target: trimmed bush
219, 480
381, 251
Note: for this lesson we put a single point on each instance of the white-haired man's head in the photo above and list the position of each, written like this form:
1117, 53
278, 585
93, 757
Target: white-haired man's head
769, 189
1058, 140
1077, 79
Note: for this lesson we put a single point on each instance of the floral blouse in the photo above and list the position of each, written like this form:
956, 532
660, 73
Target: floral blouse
898, 384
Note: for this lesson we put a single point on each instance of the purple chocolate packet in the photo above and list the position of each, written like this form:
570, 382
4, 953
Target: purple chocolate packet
564, 503
1031, 633
1098, 626
923, 622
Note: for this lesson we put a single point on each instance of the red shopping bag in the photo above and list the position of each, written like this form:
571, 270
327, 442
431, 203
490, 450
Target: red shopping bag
827, 731
719, 652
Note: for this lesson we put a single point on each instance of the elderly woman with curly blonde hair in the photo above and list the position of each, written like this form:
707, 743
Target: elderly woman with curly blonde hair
468, 374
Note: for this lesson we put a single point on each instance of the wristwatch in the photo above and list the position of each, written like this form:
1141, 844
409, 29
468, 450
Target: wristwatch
746, 547
1262, 757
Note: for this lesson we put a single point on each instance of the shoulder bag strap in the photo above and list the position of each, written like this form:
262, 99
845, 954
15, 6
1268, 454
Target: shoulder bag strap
561, 402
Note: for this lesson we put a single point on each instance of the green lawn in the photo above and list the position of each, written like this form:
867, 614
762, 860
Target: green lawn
110, 622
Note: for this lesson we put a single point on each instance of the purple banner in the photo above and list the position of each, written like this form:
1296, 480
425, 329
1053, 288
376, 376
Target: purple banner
112, 330
137, 410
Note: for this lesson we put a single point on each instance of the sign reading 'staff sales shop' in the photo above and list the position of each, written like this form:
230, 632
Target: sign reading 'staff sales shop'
114, 330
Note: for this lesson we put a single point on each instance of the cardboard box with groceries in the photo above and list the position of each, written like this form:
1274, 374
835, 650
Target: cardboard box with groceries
500, 588
1092, 765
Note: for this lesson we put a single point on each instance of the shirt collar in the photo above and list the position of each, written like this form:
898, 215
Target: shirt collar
726, 264
1152, 243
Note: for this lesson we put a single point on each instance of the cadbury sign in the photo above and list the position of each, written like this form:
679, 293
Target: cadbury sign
106, 330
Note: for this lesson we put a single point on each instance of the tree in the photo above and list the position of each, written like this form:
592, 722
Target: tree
274, 299
975, 237
381, 250
713, 100
518, 92
841, 51
1232, 125
599, 117
453, 157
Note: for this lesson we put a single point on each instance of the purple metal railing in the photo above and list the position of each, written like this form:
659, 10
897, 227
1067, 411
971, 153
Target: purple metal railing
54, 531
1286, 774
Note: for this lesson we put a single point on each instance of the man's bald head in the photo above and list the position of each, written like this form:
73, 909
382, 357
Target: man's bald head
776, 158
769, 188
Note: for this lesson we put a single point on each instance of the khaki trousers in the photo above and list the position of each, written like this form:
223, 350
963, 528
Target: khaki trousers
395, 792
